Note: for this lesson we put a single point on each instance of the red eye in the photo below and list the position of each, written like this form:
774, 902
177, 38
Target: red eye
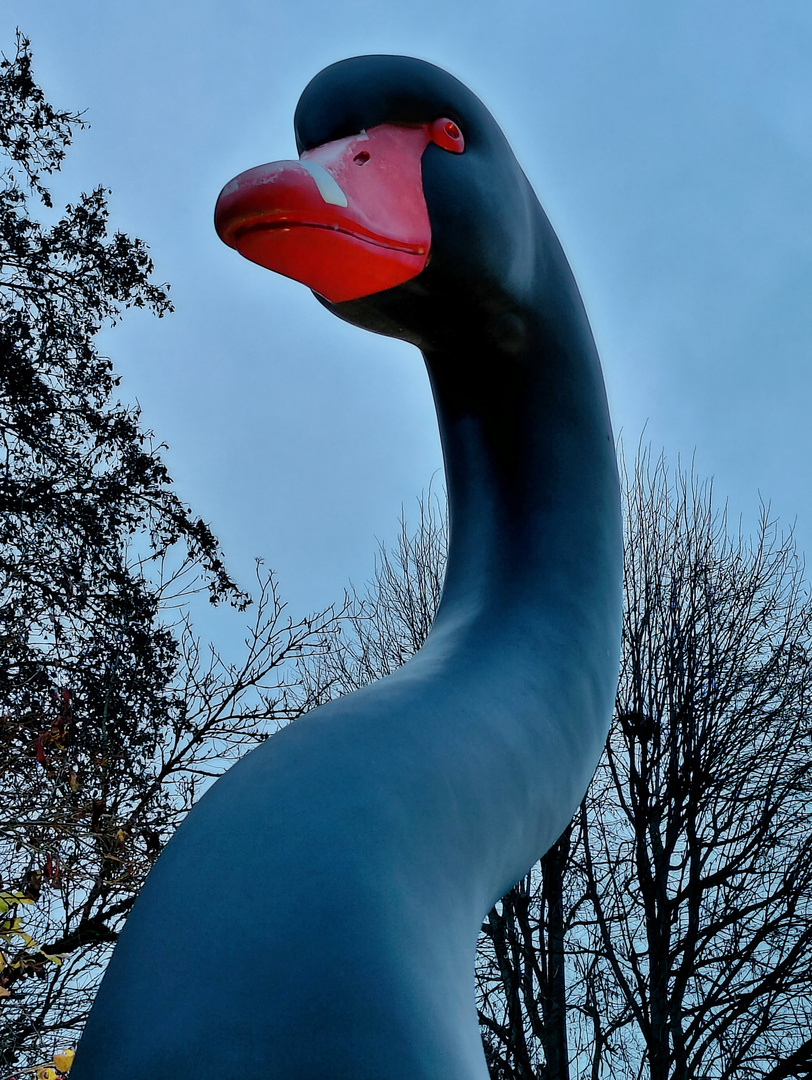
445, 133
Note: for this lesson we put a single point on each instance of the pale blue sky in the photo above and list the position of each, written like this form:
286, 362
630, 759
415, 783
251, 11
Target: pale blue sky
670, 143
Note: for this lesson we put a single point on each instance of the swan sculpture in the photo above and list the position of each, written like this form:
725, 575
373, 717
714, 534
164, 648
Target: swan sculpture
316, 915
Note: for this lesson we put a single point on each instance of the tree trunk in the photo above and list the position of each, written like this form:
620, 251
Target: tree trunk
554, 1006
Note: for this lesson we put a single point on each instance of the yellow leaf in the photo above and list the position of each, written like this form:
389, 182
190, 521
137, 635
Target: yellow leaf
19, 932
9, 899
15, 931
55, 958
4, 992
64, 1059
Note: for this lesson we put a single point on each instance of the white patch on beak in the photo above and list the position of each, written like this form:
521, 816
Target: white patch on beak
327, 185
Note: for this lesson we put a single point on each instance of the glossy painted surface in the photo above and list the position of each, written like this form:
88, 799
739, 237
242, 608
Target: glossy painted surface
348, 219
317, 912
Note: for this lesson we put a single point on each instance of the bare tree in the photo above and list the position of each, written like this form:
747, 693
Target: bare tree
386, 622
521, 975
696, 835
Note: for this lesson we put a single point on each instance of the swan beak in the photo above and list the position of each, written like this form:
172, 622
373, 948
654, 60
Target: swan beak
348, 219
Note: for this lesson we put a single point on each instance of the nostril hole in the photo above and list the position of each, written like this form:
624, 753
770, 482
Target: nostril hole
362, 158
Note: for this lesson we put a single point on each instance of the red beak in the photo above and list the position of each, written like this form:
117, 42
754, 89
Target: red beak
348, 219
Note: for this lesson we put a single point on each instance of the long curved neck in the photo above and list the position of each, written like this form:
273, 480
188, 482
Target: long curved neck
522, 657
531, 473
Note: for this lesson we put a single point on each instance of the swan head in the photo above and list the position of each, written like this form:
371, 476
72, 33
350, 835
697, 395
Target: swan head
406, 212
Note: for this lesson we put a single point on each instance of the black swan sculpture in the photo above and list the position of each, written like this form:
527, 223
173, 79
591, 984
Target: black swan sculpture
316, 915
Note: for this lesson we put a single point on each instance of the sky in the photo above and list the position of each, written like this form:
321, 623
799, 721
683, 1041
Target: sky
670, 143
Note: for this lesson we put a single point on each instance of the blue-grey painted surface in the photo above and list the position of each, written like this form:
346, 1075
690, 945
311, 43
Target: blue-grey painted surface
316, 914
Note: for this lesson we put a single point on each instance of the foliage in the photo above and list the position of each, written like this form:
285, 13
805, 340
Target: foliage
113, 717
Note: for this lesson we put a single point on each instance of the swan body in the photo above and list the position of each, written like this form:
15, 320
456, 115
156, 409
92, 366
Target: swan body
316, 915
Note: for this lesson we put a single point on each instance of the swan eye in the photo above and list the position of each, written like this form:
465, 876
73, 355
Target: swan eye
446, 133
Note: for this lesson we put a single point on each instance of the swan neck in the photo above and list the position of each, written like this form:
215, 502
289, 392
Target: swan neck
529, 462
